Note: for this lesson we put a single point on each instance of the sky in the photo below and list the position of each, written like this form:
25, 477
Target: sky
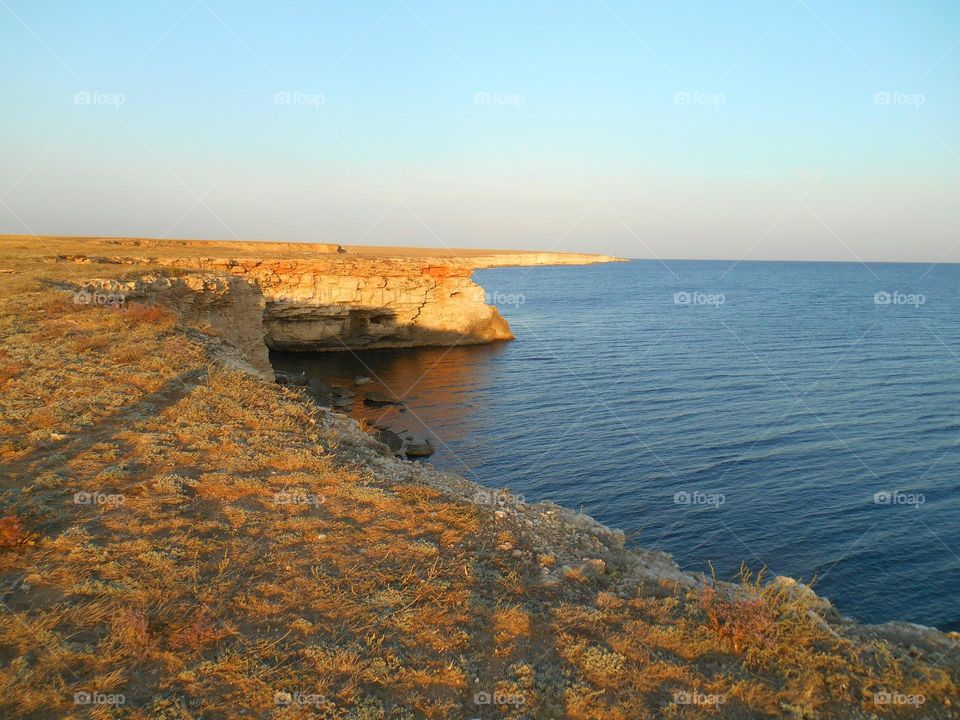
775, 129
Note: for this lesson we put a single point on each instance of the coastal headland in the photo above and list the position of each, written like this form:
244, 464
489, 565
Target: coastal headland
311, 297
180, 537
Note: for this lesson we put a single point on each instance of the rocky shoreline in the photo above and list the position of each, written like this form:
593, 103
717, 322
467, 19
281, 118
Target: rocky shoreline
575, 543
580, 545
180, 530
227, 302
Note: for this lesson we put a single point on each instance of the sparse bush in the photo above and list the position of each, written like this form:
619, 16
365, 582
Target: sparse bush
11, 532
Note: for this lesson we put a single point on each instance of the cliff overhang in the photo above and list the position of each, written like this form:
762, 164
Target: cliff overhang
326, 300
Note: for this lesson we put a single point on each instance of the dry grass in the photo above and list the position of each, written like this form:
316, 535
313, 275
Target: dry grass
231, 559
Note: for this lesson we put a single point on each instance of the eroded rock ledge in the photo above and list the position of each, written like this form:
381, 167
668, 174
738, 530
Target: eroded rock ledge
229, 306
363, 303
323, 297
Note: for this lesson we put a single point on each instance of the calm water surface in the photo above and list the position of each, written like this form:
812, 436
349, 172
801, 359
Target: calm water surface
798, 424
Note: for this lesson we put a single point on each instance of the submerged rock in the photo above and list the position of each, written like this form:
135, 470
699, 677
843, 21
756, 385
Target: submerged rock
361, 380
341, 391
417, 446
319, 386
321, 399
377, 399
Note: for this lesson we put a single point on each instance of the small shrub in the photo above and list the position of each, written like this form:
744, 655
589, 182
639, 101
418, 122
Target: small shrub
11, 532
747, 619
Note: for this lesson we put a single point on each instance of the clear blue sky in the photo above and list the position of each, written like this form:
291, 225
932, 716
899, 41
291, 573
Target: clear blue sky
808, 129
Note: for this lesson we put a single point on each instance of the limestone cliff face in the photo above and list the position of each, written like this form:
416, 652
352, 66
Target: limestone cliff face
339, 303
322, 297
230, 306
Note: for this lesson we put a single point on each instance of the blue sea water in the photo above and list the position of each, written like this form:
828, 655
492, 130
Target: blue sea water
802, 417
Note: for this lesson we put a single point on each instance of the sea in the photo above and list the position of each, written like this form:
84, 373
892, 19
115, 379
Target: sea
802, 418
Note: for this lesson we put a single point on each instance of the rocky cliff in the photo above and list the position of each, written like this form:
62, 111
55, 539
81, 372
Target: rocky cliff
312, 297
324, 297
228, 306
342, 302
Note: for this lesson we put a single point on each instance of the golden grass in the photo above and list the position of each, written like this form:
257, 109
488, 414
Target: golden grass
232, 560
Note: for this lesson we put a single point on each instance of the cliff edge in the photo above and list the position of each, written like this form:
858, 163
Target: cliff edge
321, 297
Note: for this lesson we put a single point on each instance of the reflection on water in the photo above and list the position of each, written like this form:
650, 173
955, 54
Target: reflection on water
442, 390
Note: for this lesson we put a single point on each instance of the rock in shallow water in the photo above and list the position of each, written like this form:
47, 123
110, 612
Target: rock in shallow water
341, 391
417, 446
321, 399
390, 439
319, 386
378, 398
